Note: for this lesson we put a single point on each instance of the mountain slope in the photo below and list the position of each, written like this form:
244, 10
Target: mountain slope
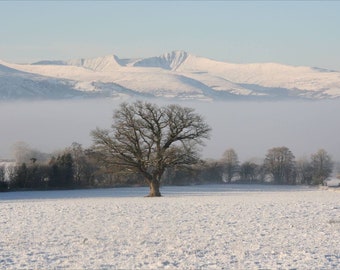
169, 61
300, 81
172, 75
15, 84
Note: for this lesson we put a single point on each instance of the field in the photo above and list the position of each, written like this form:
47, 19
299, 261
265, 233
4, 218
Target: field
198, 227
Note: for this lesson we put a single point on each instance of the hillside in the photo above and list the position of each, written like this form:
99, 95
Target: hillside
176, 74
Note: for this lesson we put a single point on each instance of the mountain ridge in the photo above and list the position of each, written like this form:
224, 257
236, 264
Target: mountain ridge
177, 74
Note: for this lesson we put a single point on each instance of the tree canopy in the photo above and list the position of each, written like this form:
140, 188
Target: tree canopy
280, 162
147, 139
322, 166
230, 164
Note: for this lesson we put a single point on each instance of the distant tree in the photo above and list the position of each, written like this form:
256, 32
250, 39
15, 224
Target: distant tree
83, 167
148, 139
53, 173
181, 175
304, 171
322, 166
65, 163
61, 171
249, 171
21, 176
78, 157
2, 173
27, 176
230, 164
3, 182
211, 171
280, 163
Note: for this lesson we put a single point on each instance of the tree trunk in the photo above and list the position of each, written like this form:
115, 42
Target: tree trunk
154, 189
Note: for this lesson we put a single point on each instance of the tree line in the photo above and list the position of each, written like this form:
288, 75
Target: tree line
76, 167
150, 145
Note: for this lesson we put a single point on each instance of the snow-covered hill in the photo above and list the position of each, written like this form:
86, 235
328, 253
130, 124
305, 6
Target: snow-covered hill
16, 84
170, 61
177, 74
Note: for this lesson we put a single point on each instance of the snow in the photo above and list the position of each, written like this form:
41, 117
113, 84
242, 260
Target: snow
23, 84
266, 74
134, 78
170, 61
106, 63
4, 69
333, 182
209, 227
161, 76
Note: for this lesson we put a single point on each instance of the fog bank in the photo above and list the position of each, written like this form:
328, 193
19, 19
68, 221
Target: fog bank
251, 128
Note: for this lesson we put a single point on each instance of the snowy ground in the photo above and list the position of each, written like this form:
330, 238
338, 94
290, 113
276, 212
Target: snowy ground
201, 227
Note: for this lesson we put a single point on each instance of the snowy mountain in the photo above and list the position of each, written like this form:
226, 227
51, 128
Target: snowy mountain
170, 61
173, 75
16, 84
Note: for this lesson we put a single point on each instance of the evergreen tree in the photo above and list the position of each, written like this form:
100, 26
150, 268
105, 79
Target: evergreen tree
61, 171
20, 176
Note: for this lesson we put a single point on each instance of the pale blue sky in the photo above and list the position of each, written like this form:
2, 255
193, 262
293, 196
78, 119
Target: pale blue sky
288, 32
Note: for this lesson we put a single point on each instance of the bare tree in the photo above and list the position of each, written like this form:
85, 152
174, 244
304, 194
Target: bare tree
322, 166
230, 163
249, 171
304, 171
83, 169
147, 139
280, 162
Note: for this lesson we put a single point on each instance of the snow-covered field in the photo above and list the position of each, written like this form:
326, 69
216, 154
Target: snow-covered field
199, 227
